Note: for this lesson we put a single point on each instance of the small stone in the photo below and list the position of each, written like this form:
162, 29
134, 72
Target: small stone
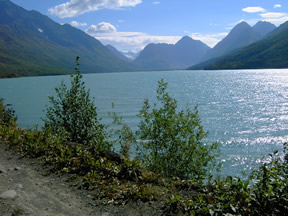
17, 168
10, 194
2, 171
19, 186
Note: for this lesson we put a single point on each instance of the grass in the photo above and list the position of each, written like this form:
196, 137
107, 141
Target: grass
116, 179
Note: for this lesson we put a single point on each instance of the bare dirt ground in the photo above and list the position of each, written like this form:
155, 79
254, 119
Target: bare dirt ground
26, 189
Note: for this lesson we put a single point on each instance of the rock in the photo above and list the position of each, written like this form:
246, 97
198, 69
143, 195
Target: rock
19, 186
9, 194
17, 168
2, 171
112, 156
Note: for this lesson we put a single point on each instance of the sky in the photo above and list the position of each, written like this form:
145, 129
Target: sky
129, 25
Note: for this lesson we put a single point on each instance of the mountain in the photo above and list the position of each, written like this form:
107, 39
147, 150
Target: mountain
270, 52
33, 44
241, 35
263, 28
118, 53
131, 54
168, 56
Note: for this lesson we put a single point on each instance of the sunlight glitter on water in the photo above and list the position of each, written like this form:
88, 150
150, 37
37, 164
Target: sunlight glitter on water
246, 111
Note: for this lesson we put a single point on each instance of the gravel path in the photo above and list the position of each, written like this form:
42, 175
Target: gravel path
25, 189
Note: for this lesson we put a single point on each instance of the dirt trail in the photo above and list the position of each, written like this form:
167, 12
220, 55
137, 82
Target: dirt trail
25, 189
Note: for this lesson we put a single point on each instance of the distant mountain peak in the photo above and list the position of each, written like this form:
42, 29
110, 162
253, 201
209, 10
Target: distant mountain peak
241, 35
261, 22
263, 27
269, 52
162, 56
189, 42
184, 39
242, 23
240, 27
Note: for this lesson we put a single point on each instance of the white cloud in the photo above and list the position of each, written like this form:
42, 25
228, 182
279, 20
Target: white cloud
126, 41
272, 15
77, 24
209, 39
264, 15
136, 41
101, 28
74, 8
253, 9
277, 21
275, 18
156, 2
277, 6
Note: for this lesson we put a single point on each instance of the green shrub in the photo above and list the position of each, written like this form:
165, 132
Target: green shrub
270, 191
6, 114
72, 110
171, 140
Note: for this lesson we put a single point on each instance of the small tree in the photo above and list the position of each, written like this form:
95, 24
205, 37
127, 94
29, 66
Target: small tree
73, 111
171, 140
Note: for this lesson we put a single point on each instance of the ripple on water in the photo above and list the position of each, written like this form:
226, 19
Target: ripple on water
246, 111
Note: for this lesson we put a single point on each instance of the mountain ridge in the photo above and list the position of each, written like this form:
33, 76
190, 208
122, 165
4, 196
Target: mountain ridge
118, 53
263, 28
33, 44
39, 46
164, 56
270, 52
241, 35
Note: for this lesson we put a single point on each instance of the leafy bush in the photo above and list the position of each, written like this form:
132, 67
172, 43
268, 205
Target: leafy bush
171, 140
264, 193
6, 114
271, 185
73, 111
118, 182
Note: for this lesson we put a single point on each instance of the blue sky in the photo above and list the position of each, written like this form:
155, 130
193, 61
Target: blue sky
129, 25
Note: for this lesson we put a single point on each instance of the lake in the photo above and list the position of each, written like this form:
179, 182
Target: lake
246, 111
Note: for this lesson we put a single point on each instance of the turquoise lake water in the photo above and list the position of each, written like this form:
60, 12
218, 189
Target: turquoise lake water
246, 111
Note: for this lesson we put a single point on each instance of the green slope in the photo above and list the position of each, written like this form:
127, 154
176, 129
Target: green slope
270, 52
33, 44
241, 35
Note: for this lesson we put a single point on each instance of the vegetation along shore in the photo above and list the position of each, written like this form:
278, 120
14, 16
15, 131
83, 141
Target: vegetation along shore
171, 175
